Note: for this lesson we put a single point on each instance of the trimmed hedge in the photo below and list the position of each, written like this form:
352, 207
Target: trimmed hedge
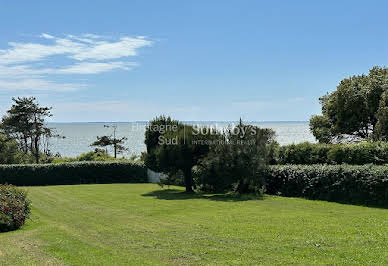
72, 173
303, 153
367, 184
317, 153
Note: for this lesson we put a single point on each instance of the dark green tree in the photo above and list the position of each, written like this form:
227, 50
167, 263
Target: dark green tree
116, 143
382, 118
9, 151
234, 162
25, 123
173, 147
351, 112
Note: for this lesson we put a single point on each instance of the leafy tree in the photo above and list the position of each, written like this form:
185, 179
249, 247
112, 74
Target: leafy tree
173, 148
234, 162
351, 112
382, 118
320, 126
116, 143
25, 123
9, 151
155, 129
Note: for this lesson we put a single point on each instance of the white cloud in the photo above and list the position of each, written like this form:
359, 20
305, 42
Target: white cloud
47, 36
127, 46
93, 68
88, 54
93, 36
83, 68
75, 47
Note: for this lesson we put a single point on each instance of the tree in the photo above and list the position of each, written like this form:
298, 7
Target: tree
173, 147
25, 123
382, 118
234, 162
9, 151
116, 143
351, 112
320, 126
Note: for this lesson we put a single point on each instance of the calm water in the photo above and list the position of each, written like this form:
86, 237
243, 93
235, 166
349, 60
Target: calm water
79, 136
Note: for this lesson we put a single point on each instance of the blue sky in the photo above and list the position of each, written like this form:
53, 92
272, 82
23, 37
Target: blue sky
194, 60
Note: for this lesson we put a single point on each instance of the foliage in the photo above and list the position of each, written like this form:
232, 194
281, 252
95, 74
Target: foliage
25, 123
98, 155
382, 118
349, 153
367, 184
303, 153
174, 179
233, 162
173, 147
72, 173
353, 111
9, 151
14, 208
154, 132
116, 143
320, 126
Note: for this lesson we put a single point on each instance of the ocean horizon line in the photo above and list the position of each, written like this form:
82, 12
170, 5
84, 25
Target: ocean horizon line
184, 121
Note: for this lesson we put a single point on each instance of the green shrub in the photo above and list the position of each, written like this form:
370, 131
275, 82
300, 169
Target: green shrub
99, 155
367, 184
318, 153
14, 208
10, 153
361, 153
73, 173
233, 163
303, 153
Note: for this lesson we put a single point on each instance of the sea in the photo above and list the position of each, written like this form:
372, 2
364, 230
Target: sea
76, 138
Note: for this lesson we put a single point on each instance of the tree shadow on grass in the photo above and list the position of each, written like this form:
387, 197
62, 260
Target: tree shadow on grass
175, 194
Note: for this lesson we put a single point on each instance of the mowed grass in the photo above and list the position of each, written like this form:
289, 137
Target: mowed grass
143, 224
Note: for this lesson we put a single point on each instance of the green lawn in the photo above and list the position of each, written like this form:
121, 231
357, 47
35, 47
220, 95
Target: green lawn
144, 224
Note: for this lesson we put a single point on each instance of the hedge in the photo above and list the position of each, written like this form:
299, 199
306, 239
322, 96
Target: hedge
72, 173
317, 153
367, 184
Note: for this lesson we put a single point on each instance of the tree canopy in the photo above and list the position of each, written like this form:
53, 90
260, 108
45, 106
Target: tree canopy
116, 143
25, 123
356, 110
173, 147
234, 163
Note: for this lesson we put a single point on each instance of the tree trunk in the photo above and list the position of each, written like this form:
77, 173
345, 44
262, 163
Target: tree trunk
242, 187
25, 148
188, 180
115, 148
37, 155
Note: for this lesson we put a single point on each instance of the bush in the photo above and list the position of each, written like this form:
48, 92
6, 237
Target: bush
361, 153
9, 152
367, 184
99, 155
233, 163
14, 208
317, 153
73, 173
304, 153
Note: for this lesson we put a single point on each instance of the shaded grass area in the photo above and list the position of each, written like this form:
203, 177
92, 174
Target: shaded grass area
142, 224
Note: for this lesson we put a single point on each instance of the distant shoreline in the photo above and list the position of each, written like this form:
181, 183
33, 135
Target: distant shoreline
190, 122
